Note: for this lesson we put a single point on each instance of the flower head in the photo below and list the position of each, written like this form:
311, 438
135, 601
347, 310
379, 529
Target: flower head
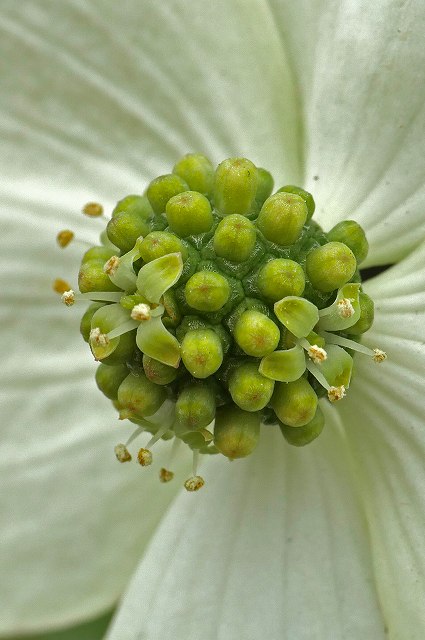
295, 542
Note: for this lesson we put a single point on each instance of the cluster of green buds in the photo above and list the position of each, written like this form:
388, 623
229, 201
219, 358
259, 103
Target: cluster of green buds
217, 307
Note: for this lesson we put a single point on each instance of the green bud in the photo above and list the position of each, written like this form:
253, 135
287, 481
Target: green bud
201, 352
236, 432
235, 186
195, 407
189, 213
162, 189
280, 278
197, 171
91, 277
157, 371
351, 233
102, 254
130, 301
234, 238
295, 403
108, 379
138, 206
104, 240
85, 323
207, 291
367, 310
159, 243
301, 436
140, 396
284, 366
298, 315
265, 185
130, 220
256, 334
282, 218
330, 266
250, 390
305, 195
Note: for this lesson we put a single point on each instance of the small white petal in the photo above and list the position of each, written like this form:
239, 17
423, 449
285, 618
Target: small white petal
272, 547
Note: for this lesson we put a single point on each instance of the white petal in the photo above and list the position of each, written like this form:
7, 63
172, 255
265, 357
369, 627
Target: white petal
272, 547
360, 69
74, 520
384, 417
110, 96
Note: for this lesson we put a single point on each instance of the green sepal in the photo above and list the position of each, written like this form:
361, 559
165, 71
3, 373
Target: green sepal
156, 277
107, 318
284, 366
337, 367
155, 341
298, 315
330, 320
125, 277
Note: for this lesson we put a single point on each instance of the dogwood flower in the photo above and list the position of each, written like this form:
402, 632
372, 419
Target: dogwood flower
322, 542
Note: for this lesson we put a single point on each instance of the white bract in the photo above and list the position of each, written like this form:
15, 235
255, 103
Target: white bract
97, 98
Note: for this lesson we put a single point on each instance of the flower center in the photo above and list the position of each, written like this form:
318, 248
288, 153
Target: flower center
218, 307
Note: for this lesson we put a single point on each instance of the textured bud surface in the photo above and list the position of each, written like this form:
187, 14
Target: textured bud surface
217, 307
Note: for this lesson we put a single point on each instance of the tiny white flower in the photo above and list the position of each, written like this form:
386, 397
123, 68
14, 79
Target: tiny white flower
97, 98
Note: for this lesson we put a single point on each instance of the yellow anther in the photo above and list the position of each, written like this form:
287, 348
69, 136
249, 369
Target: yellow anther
336, 393
98, 338
122, 453
165, 475
345, 308
93, 209
110, 267
64, 237
68, 297
379, 355
141, 312
317, 354
144, 457
194, 483
60, 286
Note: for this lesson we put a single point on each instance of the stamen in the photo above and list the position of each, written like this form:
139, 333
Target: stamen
195, 482
93, 210
315, 353
110, 267
165, 475
98, 338
60, 286
141, 312
345, 308
122, 453
96, 296
68, 298
377, 354
134, 435
122, 328
334, 393
66, 236
144, 457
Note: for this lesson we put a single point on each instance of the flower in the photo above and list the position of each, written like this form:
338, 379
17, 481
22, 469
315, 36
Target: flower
98, 98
